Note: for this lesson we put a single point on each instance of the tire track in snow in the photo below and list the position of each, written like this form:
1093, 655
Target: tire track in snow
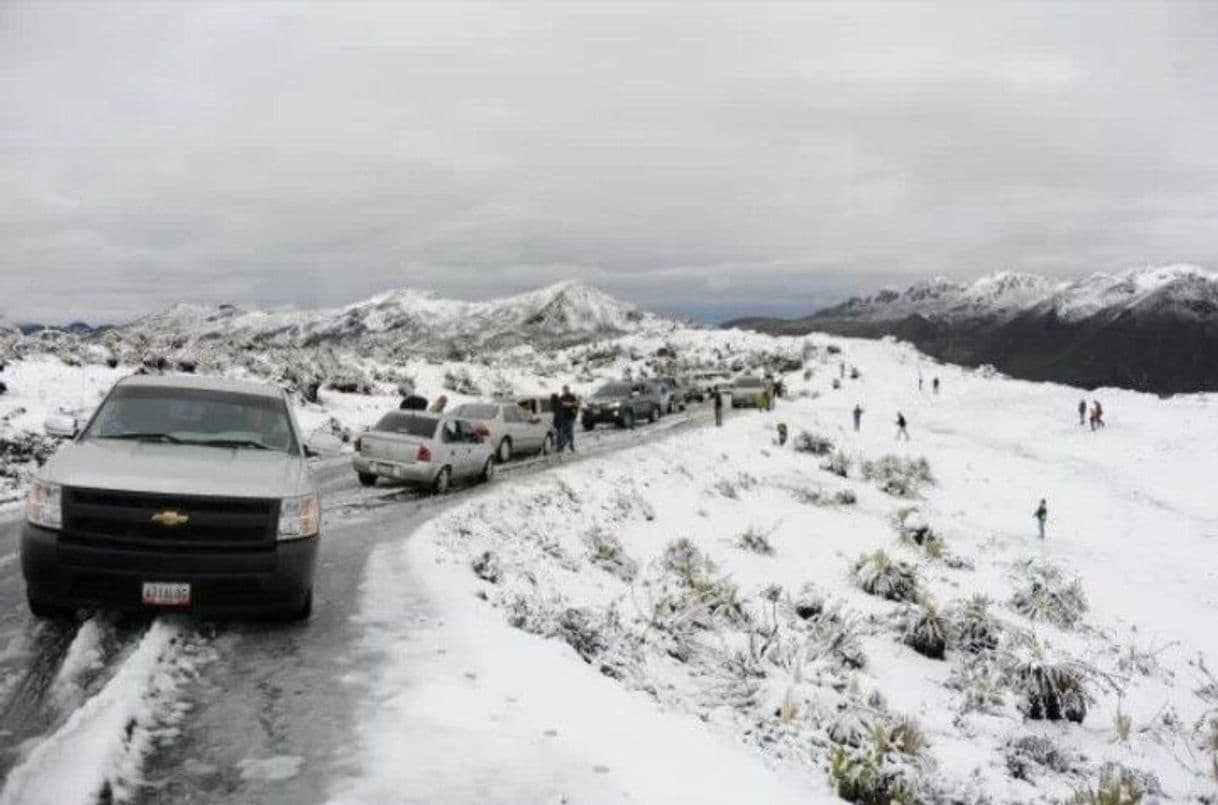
98, 753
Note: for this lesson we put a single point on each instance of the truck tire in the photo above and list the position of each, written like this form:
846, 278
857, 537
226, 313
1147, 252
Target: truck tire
589, 424
654, 414
628, 419
53, 612
366, 479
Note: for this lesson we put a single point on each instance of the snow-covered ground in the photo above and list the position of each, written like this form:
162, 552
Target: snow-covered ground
580, 651
683, 621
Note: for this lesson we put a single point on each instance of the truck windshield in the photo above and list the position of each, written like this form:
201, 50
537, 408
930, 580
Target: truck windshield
613, 390
194, 416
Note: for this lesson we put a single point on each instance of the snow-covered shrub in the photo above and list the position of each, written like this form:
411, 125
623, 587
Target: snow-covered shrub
845, 497
900, 477
684, 559
878, 574
755, 540
461, 382
1117, 785
982, 684
349, 382
926, 631
813, 443
885, 769
584, 630
834, 638
1046, 595
1029, 755
973, 629
1050, 690
605, 551
487, 567
809, 603
838, 464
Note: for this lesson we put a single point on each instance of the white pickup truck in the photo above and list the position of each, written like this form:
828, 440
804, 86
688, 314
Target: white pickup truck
180, 493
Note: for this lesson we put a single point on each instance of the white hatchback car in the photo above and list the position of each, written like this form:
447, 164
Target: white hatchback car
425, 449
509, 428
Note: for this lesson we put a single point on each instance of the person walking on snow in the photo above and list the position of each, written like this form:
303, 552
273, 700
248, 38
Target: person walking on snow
901, 431
1097, 415
858, 417
934, 384
1041, 514
717, 396
1082, 412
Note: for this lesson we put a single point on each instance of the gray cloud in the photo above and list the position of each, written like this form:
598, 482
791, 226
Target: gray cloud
696, 157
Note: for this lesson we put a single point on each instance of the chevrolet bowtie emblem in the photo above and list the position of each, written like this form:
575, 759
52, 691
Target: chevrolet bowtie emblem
170, 518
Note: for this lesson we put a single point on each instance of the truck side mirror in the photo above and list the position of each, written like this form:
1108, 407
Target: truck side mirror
61, 426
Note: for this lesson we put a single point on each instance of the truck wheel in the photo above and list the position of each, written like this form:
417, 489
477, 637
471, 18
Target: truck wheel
589, 424
628, 420
366, 479
503, 453
40, 609
442, 482
655, 413
305, 610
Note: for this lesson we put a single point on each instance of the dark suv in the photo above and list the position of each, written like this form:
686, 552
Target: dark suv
623, 404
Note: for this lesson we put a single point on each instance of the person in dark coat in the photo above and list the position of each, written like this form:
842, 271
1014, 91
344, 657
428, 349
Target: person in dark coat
413, 402
1082, 412
717, 396
560, 422
901, 431
570, 406
858, 417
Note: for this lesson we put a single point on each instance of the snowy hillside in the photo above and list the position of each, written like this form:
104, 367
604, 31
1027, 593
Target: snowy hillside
855, 614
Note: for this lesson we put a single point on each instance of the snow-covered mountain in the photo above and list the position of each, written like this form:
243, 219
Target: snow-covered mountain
565, 313
1150, 329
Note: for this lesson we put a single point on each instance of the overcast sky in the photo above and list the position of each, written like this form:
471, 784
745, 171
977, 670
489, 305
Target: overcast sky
711, 159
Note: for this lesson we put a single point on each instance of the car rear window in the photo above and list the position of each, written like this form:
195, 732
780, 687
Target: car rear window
613, 390
748, 381
408, 424
477, 411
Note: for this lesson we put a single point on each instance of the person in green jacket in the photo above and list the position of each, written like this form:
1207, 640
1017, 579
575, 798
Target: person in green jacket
1042, 514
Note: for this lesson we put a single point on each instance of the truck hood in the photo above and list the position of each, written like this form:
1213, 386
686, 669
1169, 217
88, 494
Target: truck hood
179, 469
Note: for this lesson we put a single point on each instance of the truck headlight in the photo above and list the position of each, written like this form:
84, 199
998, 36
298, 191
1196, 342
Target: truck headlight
44, 505
299, 517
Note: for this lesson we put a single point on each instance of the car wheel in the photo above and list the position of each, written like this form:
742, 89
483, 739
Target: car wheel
503, 453
40, 609
488, 471
628, 419
589, 424
442, 482
655, 413
547, 445
366, 479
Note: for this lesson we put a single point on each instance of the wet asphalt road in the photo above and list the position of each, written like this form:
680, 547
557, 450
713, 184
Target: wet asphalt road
266, 690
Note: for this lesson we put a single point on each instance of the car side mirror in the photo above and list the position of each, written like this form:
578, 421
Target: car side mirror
311, 452
61, 426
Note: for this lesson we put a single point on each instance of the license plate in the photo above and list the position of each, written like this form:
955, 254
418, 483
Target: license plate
166, 594
383, 469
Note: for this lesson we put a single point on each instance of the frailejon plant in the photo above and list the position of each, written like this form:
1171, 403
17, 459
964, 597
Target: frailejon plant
1051, 690
884, 768
878, 574
973, 629
1045, 595
900, 477
926, 631
1117, 786
806, 442
838, 464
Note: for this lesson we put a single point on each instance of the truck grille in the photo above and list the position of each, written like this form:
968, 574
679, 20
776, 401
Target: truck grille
125, 519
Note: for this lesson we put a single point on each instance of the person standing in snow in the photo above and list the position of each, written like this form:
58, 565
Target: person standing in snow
763, 400
934, 384
717, 396
570, 405
560, 422
1041, 514
1082, 412
858, 417
901, 431
1097, 415
919, 381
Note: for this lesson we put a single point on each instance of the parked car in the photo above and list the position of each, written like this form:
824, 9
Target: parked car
509, 428
538, 405
621, 403
423, 449
182, 493
699, 384
674, 394
745, 390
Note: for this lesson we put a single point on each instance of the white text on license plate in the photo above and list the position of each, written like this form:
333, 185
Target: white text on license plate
166, 594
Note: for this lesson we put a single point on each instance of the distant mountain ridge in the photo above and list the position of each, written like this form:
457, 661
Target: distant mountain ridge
1153, 329
557, 315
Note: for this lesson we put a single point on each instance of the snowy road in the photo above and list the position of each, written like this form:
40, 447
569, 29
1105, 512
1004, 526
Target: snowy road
178, 711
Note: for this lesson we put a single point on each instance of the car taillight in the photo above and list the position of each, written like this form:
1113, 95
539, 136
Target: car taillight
483, 432
424, 453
